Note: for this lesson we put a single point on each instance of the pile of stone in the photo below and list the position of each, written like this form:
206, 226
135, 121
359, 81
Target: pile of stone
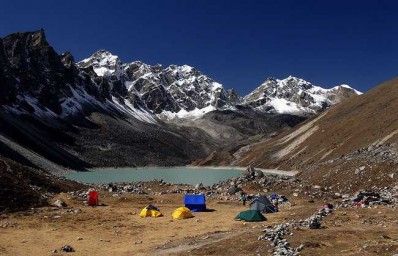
280, 244
276, 234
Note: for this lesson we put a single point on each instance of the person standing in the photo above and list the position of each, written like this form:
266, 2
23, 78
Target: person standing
244, 198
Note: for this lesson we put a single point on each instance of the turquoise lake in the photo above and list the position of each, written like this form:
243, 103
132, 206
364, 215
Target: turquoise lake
173, 175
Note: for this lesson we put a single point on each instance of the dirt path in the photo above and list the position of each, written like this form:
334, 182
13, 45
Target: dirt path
190, 244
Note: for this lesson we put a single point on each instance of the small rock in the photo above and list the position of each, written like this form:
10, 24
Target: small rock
199, 186
67, 248
78, 211
59, 203
301, 247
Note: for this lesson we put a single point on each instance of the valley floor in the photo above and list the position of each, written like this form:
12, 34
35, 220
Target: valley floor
117, 229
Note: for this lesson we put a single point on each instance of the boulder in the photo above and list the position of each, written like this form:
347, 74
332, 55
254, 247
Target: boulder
67, 248
59, 203
258, 173
233, 190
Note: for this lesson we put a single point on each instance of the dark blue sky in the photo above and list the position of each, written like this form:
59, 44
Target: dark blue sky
237, 43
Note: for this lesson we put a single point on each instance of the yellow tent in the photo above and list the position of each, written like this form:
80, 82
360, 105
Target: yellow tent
150, 212
182, 213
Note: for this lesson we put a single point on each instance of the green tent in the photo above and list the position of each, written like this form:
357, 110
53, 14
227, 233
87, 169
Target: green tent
250, 215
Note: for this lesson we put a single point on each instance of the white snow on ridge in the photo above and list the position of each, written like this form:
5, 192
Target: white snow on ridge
283, 106
103, 71
183, 114
347, 87
216, 86
186, 68
139, 114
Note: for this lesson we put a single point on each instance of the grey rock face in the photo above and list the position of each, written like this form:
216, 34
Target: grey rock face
36, 78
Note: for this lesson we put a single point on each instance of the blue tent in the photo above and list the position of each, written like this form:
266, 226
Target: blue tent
196, 203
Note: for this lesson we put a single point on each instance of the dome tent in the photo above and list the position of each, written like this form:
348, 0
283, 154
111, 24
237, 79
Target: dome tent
250, 216
262, 204
150, 211
182, 213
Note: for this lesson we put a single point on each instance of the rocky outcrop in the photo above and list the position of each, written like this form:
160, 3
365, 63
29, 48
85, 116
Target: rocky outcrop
8, 91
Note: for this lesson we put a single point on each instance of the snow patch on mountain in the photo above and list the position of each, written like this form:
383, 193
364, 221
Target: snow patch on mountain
137, 113
183, 114
284, 106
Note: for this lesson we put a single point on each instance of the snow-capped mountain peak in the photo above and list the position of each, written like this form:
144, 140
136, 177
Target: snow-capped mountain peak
294, 95
103, 62
346, 86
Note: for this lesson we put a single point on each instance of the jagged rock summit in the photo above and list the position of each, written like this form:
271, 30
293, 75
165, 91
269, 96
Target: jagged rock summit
161, 90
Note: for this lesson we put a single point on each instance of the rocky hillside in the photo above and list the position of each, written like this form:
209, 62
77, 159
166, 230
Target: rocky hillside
351, 144
296, 96
23, 187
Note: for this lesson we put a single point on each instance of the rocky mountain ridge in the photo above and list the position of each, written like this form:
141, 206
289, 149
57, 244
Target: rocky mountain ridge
171, 89
183, 91
36, 80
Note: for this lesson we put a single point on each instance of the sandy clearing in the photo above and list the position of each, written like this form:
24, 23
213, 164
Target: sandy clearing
116, 229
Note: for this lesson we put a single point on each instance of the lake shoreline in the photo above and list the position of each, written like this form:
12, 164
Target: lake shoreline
206, 175
193, 167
